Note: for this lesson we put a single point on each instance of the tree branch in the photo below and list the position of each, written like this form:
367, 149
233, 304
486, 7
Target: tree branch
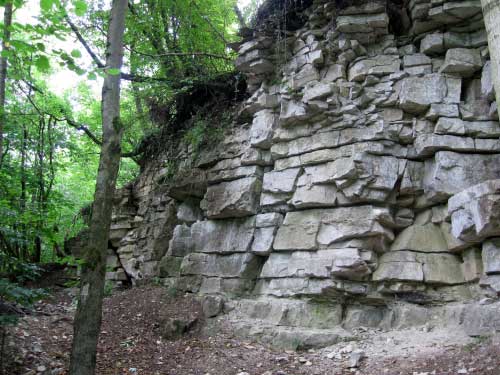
205, 18
84, 43
167, 54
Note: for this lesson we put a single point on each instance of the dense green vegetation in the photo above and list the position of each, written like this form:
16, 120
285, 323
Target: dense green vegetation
53, 63
51, 137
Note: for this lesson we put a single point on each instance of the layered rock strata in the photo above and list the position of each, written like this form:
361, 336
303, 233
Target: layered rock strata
359, 186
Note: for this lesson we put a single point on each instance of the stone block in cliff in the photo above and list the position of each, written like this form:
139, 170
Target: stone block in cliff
263, 240
476, 129
428, 144
310, 229
262, 128
244, 266
292, 112
418, 93
419, 267
316, 92
363, 23
422, 238
280, 182
475, 212
230, 287
170, 266
223, 236
292, 287
378, 66
236, 198
333, 73
438, 110
432, 44
478, 110
181, 243
450, 173
346, 263
217, 175
289, 313
189, 183
487, 89
462, 61
491, 256
310, 195
255, 61
189, 212
378, 131
307, 74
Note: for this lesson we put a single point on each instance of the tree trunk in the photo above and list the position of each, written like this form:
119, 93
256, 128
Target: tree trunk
89, 312
491, 14
7, 21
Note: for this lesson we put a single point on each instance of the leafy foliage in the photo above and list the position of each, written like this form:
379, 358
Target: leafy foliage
13, 275
50, 161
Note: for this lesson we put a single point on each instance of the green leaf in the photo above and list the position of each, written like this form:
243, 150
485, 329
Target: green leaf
113, 71
46, 5
6, 53
42, 64
91, 76
80, 7
76, 53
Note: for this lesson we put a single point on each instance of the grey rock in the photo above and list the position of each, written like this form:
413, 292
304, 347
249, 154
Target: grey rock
422, 238
181, 243
308, 229
270, 219
418, 93
223, 236
170, 266
437, 110
233, 199
491, 256
432, 44
212, 306
263, 125
450, 173
263, 240
244, 266
487, 89
475, 211
362, 23
280, 181
189, 212
462, 61
355, 358
307, 74
380, 65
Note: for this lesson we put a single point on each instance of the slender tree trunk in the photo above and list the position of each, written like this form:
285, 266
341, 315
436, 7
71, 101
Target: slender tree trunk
23, 250
89, 312
491, 14
7, 21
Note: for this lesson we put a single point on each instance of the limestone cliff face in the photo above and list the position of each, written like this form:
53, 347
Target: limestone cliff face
360, 185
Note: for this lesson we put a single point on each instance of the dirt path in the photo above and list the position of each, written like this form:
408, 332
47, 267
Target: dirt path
131, 343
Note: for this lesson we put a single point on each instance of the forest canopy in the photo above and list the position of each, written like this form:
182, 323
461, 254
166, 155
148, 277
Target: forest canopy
54, 51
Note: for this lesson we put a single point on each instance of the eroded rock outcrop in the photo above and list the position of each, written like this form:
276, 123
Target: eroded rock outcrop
359, 185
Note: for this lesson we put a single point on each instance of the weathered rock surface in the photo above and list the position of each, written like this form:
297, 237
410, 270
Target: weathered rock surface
358, 184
